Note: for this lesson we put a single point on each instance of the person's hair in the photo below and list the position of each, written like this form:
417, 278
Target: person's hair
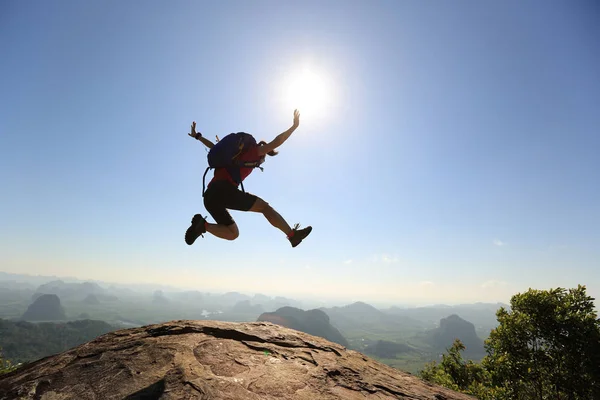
272, 152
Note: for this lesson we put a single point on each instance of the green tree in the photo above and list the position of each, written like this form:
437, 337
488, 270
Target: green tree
455, 373
547, 346
5, 365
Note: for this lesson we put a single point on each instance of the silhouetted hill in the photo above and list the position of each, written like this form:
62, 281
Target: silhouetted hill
23, 341
45, 308
214, 360
454, 327
91, 299
313, 322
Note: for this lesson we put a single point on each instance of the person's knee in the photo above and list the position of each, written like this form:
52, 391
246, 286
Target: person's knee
260, 206
234, 232
268, 211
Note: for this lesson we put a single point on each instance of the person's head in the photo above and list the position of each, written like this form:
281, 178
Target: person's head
271, 153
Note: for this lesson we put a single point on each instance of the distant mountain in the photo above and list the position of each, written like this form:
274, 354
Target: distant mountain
247, 308
106, 297
120, 292
25, 341
189, 296
482, 315
272, 304
14, 302
158, 298
280, 301
71, 291
36, 296
45, 308
454, 327
260, 299
91, 299
230, 299
19, 293
314, 322
15, 285
361, 316
34, 280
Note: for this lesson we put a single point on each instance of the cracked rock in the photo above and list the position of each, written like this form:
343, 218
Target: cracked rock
212, 360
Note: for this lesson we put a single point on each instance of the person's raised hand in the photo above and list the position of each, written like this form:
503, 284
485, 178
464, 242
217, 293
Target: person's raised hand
193, 130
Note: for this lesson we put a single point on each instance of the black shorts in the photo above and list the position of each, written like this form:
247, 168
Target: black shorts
221, 195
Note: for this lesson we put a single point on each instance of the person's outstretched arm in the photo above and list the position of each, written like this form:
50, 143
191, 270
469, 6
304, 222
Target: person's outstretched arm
282, 137
199, 136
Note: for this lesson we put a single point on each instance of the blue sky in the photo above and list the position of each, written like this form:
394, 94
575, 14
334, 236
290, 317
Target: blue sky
454, 159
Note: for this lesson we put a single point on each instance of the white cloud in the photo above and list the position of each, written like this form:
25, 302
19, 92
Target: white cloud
384, 258
426, 284
493, 284
389, 259
499, 243
348, 262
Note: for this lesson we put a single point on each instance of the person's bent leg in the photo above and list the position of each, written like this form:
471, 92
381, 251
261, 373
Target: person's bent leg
200, 226
214, 199
271, 215
228, 232
225, 227
295, 236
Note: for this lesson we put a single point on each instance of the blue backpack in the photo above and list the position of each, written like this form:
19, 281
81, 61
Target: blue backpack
224, 155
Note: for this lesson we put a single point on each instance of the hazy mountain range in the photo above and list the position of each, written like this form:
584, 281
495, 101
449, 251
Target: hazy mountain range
415, 334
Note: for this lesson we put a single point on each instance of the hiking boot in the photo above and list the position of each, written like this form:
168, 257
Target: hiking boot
299, 234
197, 228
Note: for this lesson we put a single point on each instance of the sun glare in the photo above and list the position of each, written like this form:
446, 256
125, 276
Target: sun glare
308, 92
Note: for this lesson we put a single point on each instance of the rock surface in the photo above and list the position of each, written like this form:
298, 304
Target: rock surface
214, 360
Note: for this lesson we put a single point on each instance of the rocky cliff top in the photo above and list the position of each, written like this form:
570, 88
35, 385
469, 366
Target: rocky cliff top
214, 360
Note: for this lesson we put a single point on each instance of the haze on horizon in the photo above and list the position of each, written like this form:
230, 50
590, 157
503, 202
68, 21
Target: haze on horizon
445, 154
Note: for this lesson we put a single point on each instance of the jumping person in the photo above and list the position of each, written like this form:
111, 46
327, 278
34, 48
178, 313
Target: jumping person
222, 193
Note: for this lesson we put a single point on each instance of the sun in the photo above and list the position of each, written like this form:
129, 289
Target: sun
308, 91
